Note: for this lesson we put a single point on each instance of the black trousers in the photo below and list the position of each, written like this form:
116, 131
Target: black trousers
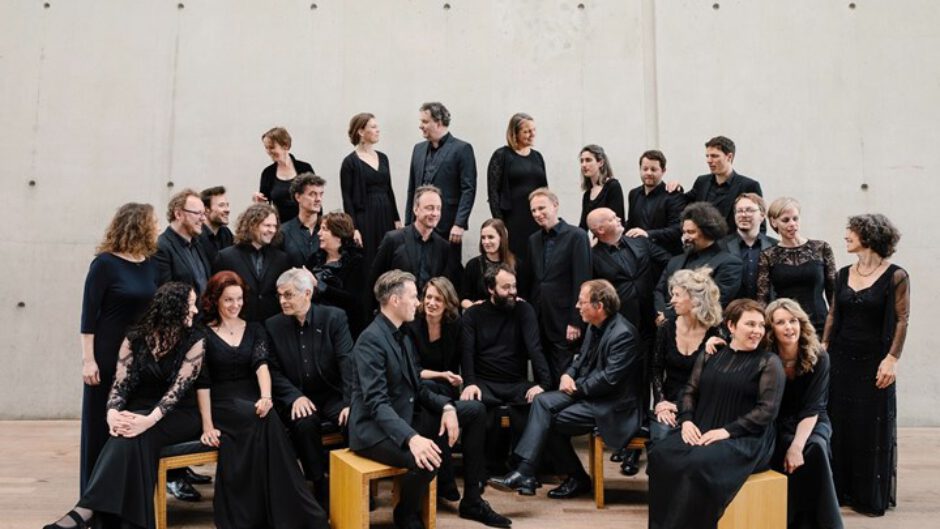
512, 395
553, 419
305, 434
559, 355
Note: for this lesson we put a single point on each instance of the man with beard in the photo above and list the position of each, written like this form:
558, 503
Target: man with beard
180, 255
498, 339
654, 212
747, 242
302, 233
215, 235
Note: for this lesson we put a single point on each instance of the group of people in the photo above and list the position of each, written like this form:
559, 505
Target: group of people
667, 310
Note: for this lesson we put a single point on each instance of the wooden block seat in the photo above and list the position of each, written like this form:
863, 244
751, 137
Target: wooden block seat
350, 478
180, 455
596, 460
761, 502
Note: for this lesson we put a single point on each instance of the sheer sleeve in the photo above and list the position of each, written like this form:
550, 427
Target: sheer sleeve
259, 350
902, 310
763, 276
125, 378
829, 270
494, 176
185, 377
658, 363
769, 395
816, 397
690, 394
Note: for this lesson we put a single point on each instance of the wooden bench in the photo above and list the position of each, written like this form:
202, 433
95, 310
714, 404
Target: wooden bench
761, 502
351, 476
596, 463
180, 455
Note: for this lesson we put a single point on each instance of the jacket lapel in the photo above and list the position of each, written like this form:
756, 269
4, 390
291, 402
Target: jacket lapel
411, 246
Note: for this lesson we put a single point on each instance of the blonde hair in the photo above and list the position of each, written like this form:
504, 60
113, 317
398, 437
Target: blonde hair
809, 345
512, 130
706, 298
778, 206
544, 192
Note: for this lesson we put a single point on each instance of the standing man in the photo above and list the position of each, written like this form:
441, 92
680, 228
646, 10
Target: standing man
215, 235
386, 389
447, 163
558, 262
747, 242
301, 234
180, 256
653, 212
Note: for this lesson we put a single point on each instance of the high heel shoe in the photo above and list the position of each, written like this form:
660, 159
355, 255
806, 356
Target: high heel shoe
80, 523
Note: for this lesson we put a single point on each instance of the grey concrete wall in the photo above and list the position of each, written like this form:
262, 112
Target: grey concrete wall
104, 101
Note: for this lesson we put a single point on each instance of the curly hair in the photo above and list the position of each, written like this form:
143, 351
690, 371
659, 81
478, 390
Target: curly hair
706, 298
250, 219
809, 344
606, 171
505, 254
437, 111
875, 232
163, 323
132, 230
214, 288
448, 294
707, 218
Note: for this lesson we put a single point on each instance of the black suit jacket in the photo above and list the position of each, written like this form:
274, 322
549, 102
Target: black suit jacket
261, 297
455, 176
332, 353
297, 243
733, 244
737, 185
172, 264
399, 250
553, 288
386, 385
635, 289
609, 381
726, 271
665, 228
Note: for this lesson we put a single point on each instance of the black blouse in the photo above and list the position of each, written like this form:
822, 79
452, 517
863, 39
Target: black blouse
670, 369
227, 363
611, 196
805, 395
442, 354
278, 192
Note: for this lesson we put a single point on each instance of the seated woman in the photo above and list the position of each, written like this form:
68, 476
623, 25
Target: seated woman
727, 415
338, 270
494, 249
696, 300
150, 406
257, 482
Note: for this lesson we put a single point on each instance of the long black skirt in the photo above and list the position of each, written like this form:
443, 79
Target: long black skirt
811, 494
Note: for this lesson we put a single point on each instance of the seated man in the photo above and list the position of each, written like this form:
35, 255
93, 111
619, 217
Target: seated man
598, 390
498, 339
311, 370
386, 386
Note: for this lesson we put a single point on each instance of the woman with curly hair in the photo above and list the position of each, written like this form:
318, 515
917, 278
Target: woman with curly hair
338, 269
865, 334
120, 283
150, 406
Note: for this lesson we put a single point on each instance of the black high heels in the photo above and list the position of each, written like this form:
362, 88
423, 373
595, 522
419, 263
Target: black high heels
80, 523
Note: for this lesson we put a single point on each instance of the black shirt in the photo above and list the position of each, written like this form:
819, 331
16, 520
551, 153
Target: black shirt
549, 238
193, 260
213, 243
424, 265
430, 159
304, 337
750, 256
497, 344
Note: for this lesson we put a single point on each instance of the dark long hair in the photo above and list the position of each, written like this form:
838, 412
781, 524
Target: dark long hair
505, 255
214, 288
162, 325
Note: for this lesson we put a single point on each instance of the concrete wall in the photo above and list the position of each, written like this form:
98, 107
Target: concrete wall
104, 101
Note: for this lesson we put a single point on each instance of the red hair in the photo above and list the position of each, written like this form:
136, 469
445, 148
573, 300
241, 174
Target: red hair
214, 288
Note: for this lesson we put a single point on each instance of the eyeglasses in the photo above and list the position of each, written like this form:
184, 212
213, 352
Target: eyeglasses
196, 213
746, 211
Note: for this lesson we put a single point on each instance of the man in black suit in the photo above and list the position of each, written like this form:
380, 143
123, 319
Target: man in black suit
386, 386
447, 163
180, 255
702, 227
256, 260
747, 242
215, 235
558, 262
653, 212
301, 234
311, 370
417, 248
599, 390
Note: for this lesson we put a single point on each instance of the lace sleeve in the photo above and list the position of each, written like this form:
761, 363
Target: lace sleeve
658, 363
829, 271
689, 396
763, 276
125, 378
185, 377
259, 351
769, 395
902, 310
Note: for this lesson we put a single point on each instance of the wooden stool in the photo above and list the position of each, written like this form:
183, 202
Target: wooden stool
180, 455
761, 502
350, 478
596, 463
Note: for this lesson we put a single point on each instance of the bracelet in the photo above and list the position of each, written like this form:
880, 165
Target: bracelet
265, 398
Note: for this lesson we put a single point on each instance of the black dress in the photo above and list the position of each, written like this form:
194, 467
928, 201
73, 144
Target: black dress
510, 179
864, 327
472, 285
690, 486
120, 488
117, 292
341, 284
811, 495
257, 480
278, 192
369, 199
805, 273
611, 196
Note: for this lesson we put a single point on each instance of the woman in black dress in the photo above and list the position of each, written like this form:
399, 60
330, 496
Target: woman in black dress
865, 334
120, 283
494, 249
515, 170
726, 415
150, 406
338, 269
257, 480
366, 185
797, 268
277, 177
601, 189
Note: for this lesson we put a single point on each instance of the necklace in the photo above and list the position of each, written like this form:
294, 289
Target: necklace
231, 332
858, 269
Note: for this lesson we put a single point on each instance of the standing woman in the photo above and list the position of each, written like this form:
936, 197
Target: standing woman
257, 480
515, 170
494, 249
865, 334
601, 189
798, 268
120, 283
366, 184
277, 177
338, 269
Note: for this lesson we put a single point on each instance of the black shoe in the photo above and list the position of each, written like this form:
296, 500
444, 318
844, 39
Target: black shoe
480, 511
449, 492
618, 455
516, 481
570, 488
631, 463
78, 522
321, 492
182, 490
196, 479
408, 521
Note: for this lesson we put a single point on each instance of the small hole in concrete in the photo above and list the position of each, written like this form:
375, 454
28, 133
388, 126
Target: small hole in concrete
716, 6
580, 6
313, 7
851, 5
21, 304
864, 187
47, 5
169, 184
32, 183
446, 6
180, 5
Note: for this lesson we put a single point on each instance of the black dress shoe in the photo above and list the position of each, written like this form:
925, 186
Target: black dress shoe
408, 521
631, 463
618, 455
449, 493
480, 511
78, 522
182, 490
515, 481
570, 488
197, 479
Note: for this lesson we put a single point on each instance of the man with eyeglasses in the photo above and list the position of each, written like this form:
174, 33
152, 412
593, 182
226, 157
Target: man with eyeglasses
747, 242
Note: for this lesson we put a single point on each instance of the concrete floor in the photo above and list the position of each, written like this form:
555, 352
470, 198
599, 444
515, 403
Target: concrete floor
39, 482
